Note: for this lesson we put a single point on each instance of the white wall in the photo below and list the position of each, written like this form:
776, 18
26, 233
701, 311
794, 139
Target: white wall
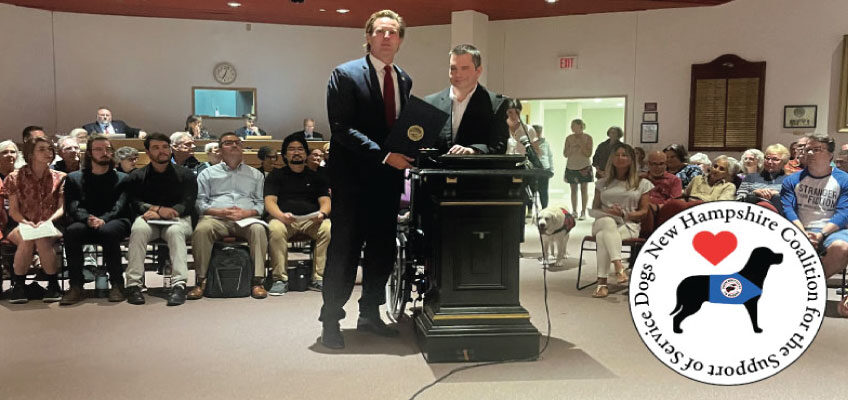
151, 63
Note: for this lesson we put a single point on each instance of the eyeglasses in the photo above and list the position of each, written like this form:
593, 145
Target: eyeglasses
773, 159
814, 150
187, 145
231, 143
272, 158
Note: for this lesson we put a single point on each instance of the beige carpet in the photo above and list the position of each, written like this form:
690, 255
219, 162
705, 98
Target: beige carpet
266, 349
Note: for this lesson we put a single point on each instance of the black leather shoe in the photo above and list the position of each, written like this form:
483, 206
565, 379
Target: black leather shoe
331, 337
178, 296
134, 295
376, 326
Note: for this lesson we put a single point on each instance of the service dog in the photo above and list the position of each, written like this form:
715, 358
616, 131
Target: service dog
744, 287
554, 224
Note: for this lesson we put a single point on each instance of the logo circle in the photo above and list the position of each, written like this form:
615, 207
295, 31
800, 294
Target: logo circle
727, 293
415, 133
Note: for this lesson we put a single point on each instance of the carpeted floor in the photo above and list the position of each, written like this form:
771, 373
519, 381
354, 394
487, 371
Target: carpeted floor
266, 349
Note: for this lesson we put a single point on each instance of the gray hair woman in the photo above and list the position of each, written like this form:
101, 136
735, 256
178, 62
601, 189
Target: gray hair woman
752, 161
9, 155
766, 184
126, 157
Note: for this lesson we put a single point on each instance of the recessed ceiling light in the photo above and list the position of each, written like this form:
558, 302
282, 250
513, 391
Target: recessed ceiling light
551, 1
234, 4
343, 11
321, 10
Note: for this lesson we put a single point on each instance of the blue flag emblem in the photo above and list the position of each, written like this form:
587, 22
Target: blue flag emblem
732, 289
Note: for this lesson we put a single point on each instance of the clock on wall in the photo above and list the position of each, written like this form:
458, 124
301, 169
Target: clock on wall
224, 73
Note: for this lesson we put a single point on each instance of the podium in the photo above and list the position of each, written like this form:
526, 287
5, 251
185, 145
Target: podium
471, 212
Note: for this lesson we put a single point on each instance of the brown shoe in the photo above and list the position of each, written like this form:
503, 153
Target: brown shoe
259, 292
74, 295
116, 294
197, 291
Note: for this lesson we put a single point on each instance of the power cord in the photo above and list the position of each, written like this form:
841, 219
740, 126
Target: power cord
547, 316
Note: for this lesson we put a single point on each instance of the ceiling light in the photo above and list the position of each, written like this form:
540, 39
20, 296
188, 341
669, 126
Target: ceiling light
321, 10
343, 11
551, 1
234, 4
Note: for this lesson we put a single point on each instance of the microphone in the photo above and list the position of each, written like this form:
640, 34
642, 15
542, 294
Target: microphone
531, 154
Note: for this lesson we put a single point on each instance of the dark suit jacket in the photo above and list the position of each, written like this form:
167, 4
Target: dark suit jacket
242, 132
119, 126
315, 135
358, 127
483, 125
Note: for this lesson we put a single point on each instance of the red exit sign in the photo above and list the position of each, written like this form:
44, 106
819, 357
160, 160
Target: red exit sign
569, 62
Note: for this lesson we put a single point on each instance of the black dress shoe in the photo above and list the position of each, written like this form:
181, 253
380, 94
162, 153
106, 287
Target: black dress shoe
178, 296
376, 326
134, 295
331, 337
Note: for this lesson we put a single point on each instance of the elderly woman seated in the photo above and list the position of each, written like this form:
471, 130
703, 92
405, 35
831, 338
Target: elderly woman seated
752, 162
717, 185
676, 160
621, 200
765, 185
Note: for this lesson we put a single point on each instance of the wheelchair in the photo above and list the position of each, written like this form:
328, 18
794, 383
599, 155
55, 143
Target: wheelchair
407, 282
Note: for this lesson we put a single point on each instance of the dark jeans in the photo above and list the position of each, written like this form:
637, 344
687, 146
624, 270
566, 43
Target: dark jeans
543, 190
108, 236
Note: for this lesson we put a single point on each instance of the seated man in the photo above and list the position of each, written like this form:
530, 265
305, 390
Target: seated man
309, 130
667, 186
160, 191
250, 128
95, 201
292, 191
823, 216
69, 150
182, 145
314, 161
267, 157
228, 192
106, 125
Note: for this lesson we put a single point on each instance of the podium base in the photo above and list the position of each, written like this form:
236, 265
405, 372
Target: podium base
473, 334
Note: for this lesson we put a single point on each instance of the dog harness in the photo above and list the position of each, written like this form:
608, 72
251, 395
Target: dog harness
567, 223
732, 289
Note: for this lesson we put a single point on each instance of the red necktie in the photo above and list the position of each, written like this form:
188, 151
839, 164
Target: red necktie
389, 96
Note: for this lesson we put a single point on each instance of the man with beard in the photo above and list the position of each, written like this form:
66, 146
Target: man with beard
226, 193
160, 191
95, 202
292, 191
69, 150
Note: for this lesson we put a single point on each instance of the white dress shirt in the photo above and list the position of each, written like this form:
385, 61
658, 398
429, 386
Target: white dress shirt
458, 109
379, 66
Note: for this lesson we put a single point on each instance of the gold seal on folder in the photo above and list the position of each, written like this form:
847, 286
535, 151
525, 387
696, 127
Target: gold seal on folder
415, 133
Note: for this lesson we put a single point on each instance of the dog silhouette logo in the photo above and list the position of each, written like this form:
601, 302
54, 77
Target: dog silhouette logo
727, 293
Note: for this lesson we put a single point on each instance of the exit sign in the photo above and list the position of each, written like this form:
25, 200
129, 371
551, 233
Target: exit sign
568, 63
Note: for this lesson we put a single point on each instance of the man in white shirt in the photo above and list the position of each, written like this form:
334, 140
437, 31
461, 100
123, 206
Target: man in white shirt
478, 117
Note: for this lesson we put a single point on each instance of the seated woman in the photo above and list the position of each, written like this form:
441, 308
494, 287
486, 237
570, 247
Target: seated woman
752, 163
621, 200
8, 158
36, 196
718, 185
126, 157
676, 158
766, 185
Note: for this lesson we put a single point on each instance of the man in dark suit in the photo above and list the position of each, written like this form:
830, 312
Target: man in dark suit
309, 130
250, 128
364, 97
106, 125
478, 117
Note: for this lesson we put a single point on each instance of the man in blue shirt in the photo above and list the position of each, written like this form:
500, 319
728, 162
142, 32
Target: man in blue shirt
228, 192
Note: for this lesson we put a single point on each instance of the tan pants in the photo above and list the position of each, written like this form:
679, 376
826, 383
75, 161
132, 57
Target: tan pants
280, 234
210, 229
175, 235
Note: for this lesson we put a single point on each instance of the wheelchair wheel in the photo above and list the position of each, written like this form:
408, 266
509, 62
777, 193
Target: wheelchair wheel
398, 288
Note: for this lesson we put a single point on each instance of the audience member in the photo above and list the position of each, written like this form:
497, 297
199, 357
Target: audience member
752, 162
182, 146
841, 159
36, 196
602, 153
69, 150
621, 200
267, 157
547, 160
194, 126
95, 201
32, 131
315, 162
478, 117
160, 191
640, 159
326, 150
126, 158
250, 128
578, 167
81, 135
309, 130
518, 130
816, 201
718, 185
766, 185
667, 186
676, 157
104, 124
701, 160
227, 192
796, 162
8, 158
291, 192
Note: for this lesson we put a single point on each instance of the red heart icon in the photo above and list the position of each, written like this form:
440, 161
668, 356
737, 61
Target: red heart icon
714, 247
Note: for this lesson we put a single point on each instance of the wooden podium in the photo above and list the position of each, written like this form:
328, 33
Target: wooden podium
471, 213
